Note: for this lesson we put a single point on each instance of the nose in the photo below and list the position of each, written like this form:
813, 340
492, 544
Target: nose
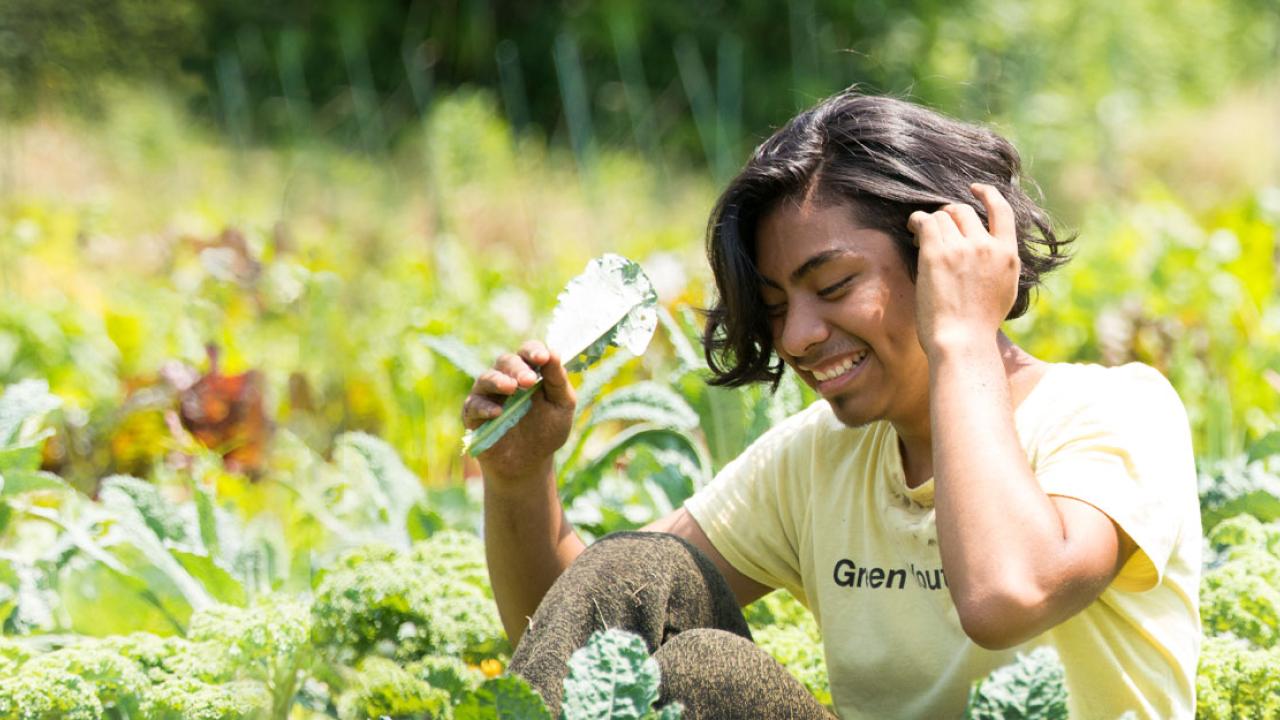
803, 328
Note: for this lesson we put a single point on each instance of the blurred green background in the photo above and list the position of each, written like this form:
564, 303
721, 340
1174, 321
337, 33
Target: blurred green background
313, 187
257, 250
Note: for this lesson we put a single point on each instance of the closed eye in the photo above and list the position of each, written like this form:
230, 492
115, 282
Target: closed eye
833, 289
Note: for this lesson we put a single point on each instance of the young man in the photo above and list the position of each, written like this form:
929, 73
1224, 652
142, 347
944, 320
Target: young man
950, 500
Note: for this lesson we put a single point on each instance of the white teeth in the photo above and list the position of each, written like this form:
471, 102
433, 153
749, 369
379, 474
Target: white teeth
837, 371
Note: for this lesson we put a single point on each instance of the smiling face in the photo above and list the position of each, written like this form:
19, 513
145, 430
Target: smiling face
842, 312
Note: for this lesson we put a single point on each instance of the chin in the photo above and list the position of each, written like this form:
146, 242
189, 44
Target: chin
849, 416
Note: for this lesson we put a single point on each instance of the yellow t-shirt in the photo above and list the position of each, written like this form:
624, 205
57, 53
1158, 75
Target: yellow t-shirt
823, 510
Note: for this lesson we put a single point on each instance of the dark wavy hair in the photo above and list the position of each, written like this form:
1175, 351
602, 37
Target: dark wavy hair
885, 158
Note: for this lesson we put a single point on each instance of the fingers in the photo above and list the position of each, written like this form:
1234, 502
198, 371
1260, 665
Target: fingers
555, 379
555, 382
491, 389
1000, 213
513, 372
517, 369
477, 409
933, 228
924, 227
965, 218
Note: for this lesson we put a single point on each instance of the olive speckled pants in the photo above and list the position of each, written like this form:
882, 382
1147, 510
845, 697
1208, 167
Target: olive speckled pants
669, 593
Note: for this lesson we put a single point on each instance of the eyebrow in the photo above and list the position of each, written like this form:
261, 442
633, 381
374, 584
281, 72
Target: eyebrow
809, 266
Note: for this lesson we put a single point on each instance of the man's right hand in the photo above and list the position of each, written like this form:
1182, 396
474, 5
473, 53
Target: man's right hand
529, 447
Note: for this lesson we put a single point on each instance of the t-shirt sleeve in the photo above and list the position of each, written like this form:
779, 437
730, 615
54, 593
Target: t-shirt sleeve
749, 510
1127, 451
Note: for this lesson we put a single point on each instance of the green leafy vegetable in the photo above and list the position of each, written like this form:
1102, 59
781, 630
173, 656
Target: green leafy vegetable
646, 402
504, 698
1266, 446
785, 629
22, 407
1237, 681
433, 600
1031, 688
179, 698
23, 404
612, 678
611, 304
1234, 486
381, 688
1240, 594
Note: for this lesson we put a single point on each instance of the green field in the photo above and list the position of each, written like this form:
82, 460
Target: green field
234, 348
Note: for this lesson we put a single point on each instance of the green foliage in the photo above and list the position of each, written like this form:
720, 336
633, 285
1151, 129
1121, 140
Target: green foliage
135, 676
117, 681
52, 695
22, 408
105, 286
433, 600
504, 698
1189, 293
383, 688
1237, 681
786, 630
157, 513
1033, 688
1240, 594
269, 642
1071, 77
179, 698
613, 677
450, 674
1231, 487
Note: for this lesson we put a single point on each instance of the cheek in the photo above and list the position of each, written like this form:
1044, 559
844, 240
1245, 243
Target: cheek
899, 323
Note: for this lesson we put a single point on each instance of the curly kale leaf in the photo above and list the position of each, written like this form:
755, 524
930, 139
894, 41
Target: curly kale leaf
126, 677
269, 642
1237, 681
117, 680
1240, 594
381, 688
613, 678
433, 600
179, 698
1031, 688
48, 695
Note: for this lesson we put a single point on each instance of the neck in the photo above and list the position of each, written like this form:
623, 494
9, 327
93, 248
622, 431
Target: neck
915, 436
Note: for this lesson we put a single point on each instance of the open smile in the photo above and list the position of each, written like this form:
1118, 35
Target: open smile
833, 376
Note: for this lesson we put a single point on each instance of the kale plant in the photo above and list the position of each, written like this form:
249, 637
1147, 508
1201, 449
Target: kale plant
433, 600
1031, 688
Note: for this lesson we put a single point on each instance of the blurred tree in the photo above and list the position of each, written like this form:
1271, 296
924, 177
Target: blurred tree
63, 50
705, 80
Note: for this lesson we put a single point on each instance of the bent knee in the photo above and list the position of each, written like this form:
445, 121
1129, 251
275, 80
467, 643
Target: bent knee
646, 551
718, 674
712, 655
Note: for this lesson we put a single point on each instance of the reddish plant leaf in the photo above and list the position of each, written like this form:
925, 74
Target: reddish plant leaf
226, 414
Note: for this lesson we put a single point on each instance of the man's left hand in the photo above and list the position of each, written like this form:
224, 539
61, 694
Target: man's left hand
967, 274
